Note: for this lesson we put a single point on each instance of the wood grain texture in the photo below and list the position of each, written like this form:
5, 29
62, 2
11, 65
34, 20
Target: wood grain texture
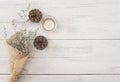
71, 57
65, 66
64, 78
84, 48
88, 19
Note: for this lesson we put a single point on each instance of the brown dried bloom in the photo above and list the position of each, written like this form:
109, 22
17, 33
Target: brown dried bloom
40, 42
35, 15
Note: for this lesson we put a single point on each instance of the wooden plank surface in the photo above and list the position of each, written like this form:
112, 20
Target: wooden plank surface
65, 78
84, 48
65, 66
88, 19
71, 57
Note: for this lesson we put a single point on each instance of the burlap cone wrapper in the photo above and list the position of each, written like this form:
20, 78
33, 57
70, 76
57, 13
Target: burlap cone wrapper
17, 59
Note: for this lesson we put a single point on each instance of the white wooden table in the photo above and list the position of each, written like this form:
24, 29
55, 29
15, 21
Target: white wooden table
84, 48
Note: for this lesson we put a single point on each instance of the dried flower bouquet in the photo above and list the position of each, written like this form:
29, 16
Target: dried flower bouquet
19, 46
17, 57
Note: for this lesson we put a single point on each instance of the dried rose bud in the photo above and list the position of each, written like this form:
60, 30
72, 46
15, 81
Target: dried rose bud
35, 15
40, 42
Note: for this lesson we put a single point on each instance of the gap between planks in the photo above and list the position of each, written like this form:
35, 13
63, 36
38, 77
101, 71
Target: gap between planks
79, 39
64, 74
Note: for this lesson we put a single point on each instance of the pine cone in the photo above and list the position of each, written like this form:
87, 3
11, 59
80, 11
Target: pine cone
35, 15
40, 42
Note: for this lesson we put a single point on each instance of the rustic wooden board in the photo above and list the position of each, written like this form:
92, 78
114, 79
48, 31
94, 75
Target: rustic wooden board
71, 57
65, 66
84, 48
88, 19
65, 78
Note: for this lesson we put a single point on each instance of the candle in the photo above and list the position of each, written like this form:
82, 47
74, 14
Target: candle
49, 23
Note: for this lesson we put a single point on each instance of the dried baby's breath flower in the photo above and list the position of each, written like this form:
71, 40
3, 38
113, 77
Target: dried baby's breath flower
23, 13
5, 33
28, 7
22, 38
14, 24
19, 14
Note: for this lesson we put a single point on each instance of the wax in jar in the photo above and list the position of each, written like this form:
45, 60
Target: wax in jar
49, 24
